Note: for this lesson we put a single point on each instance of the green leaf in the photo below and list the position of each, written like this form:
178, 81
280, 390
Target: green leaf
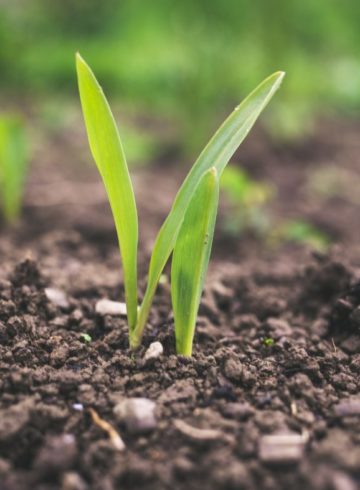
191, 258
13, 163
107, 150
303, 232
216, 154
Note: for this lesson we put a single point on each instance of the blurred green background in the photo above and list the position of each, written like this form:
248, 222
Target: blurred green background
189, 61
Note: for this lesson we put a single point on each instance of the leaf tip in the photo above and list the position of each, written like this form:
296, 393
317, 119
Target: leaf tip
78, 57
80, 62
279, 75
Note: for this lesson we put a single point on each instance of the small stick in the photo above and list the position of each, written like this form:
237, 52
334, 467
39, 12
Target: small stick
113, 434
333, 343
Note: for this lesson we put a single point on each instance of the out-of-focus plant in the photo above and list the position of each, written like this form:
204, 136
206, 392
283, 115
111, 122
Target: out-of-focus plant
13, 166
171, 56
247, 200
300, 231
330, 181
141, 147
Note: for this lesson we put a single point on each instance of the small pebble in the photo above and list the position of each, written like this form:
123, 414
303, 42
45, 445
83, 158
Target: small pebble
347, 408
73, 481
154, 351
79, 407
108, 307
197, 434
57, 297
138, 414
281, 448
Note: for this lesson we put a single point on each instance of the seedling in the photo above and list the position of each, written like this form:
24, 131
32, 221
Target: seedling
188, 229
247, 201
268, 342
302, 232
86, 337
13, 163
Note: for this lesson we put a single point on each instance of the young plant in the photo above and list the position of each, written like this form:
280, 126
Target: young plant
247, 202
191, 257
194, 207
13, 163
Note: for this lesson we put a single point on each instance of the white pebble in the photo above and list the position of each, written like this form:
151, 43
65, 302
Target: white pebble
196, 433
57, 297
78, 407
154, 351
108, 307
138, 414
282, 448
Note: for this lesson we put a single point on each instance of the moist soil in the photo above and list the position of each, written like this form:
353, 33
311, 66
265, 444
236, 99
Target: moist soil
270, 398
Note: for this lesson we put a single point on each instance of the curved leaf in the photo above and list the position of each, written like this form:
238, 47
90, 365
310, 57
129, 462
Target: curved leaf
216, 154
191, 258
108, 153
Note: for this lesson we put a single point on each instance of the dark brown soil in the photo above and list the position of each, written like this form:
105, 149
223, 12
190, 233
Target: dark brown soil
277, 349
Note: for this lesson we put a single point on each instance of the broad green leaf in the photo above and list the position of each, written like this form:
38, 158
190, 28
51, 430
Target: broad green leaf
216, 154
191, 258
13, 163
108, 153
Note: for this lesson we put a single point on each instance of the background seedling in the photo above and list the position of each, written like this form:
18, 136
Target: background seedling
185, 79
300, 231
107, 150
86, 337
268, 342
247, 200
13, 166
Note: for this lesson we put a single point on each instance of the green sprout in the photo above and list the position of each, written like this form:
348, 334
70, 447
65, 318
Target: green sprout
86, 337
302, 232
247, 201
13, 163
188, 229
191, 257
268, 342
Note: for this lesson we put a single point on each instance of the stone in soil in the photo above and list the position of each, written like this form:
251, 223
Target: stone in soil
138, 414
281, 448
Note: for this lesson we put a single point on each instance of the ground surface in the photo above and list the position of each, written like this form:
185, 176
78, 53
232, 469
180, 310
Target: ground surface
270, 399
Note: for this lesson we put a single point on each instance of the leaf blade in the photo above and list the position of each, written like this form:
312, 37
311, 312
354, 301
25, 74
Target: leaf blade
108, 153
191, 258
216, 154
13, 165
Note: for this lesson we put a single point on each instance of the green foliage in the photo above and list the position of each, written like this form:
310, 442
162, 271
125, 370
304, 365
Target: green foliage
268, 342
247, 200
191, 257
187, 58
302, 232
86, 337
141, 147
109, 156
13, 166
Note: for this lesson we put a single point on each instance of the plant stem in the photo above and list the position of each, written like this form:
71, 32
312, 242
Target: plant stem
184, 346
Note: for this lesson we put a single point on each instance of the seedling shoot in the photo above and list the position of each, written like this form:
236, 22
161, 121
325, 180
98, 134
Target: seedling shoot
189, 227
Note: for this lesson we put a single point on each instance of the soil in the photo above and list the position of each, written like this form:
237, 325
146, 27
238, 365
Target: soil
271, 397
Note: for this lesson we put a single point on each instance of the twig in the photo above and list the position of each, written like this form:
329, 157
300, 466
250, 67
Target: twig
293, 408
333, 344
107, 427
